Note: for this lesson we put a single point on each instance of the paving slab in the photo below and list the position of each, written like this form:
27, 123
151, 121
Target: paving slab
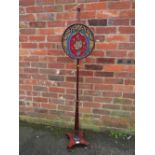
52, 141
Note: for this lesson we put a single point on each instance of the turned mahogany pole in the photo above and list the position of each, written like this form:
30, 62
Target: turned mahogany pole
76, 128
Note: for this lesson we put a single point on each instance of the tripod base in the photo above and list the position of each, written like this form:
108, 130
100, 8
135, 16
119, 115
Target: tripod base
76, 140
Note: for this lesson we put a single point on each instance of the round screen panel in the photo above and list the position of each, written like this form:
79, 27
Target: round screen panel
78, 41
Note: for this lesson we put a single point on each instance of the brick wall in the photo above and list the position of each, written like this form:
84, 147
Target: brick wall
47, 75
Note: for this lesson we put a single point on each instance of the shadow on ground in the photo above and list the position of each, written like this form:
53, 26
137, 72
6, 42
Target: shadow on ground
38, 140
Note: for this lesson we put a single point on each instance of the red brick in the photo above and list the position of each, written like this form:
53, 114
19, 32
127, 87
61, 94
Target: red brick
95, 6
70, 7
39, 88
124, 74
93, 80
70, 66
34, 9
56, 90
105, 30
23, 24
106, 46
45, 16
132, 38
48, 106
65, 108
114, 38
130, 82
41, 9
46, 31
127, 13
92, 104
119, 5
127, 30
99, 38
45, 2
49, 94
128, 107
26, 2
47, 45
86, 86
65, 84
29, 45
59, 31
118, 22
64, 16
56, 24
37, 38
112, 94
90, 60
116, 54
102, 14
54, 38
37, 24
101, 111
64, 60
127, 46
114, 68
47, 71
24, 64
55, 53
98, 53
65, 1
123, 88
103, 87
24, 76
39, 52
97, 22
30, 82
132, 22
129, 95
113, 81
86, 73
30, 70
87, 14
131, 54
115, 122
25, 109
105, 60
25, 87
111, 106
55, 78
21, 10
92, 92
93, 67
104, 74
27, 31
23, 38
103, 100
56, 65
85, 110
39, 77
73, 79
29, 17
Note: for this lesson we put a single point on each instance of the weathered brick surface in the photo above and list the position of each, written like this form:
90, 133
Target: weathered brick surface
47, 75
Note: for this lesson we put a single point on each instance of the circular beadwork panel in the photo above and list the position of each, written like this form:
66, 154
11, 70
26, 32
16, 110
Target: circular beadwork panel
78, 41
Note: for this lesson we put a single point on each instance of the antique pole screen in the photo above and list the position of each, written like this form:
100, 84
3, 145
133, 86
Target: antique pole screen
77, 42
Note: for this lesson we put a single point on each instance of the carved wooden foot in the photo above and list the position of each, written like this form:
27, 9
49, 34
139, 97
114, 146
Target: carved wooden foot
76, 139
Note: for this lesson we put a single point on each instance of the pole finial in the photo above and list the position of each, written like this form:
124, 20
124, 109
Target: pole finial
78, 9
78, 14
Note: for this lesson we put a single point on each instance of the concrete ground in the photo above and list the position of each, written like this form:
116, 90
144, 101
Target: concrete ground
39, 140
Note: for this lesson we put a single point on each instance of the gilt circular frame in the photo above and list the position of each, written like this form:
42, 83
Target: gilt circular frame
78, 41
